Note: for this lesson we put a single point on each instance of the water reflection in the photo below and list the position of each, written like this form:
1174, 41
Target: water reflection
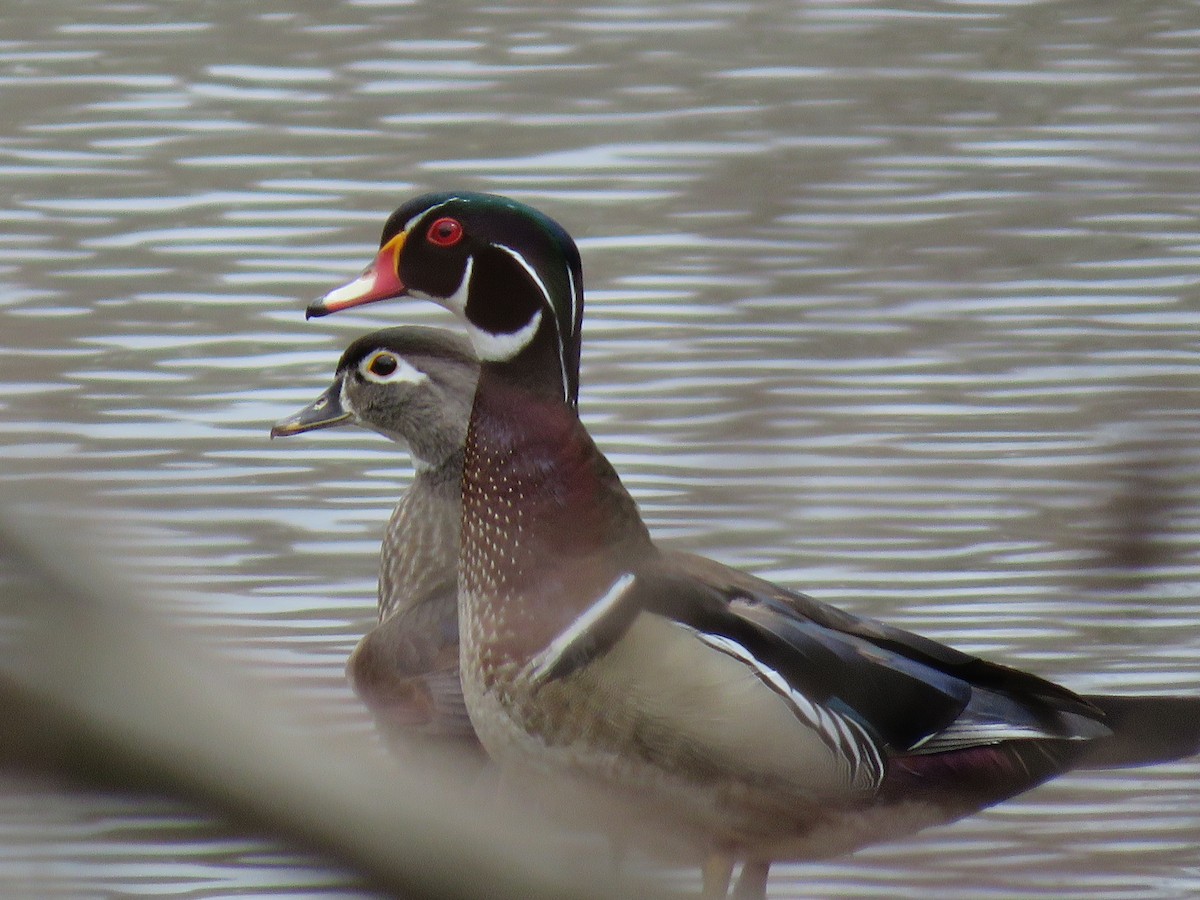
883, 304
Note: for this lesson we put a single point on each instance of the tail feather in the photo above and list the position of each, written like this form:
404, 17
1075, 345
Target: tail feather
1145, 730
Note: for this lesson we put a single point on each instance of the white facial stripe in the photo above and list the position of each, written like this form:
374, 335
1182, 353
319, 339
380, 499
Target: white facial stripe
403, 373
413, 221
562, 362
545, 661
528, 268
574, 303
501, 347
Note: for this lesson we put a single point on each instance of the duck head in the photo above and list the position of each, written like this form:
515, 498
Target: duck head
511, 273
411, 384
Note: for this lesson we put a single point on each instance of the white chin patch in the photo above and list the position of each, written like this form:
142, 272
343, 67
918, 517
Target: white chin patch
502, 347
491, 347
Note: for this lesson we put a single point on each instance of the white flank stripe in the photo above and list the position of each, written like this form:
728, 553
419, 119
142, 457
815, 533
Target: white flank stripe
545, 661
733, 648
864, 742
838, 732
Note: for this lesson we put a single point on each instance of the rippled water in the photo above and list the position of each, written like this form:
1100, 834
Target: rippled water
898, 306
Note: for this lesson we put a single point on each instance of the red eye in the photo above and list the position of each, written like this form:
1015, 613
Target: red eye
445, 232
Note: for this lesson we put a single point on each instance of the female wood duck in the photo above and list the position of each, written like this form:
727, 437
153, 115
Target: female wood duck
761, 724
413, 385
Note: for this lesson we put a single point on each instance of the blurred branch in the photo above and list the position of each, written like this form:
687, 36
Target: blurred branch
95, 686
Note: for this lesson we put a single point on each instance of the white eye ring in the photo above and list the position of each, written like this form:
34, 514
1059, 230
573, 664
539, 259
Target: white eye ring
403, 373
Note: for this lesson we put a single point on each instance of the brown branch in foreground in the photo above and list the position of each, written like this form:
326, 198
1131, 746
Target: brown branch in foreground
95, 687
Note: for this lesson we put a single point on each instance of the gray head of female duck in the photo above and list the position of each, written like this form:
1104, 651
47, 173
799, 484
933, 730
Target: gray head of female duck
412, 385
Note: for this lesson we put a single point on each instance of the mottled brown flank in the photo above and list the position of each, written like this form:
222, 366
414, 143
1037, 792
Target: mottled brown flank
406, 668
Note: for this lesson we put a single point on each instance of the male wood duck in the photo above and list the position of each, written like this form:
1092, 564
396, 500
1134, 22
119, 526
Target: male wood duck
413, 385
761, 724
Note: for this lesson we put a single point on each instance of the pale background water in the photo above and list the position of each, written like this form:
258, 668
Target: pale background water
893, 304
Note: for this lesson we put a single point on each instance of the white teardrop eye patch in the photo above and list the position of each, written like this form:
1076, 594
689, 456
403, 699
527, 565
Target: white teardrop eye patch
385, 367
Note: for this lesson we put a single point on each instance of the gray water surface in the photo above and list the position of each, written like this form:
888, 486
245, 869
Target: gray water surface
897, 305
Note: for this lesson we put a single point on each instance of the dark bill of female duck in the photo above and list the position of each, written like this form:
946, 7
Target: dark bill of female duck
324, 412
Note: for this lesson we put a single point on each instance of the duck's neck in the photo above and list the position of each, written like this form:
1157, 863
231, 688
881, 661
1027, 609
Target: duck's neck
547, 526
541, 369
419, 558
